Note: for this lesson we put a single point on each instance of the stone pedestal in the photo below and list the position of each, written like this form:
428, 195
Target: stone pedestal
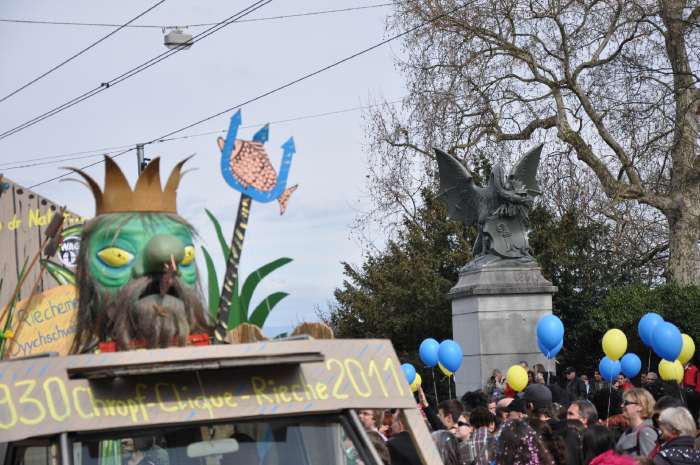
495, 309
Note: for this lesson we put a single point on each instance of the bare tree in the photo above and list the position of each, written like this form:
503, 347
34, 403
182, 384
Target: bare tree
612, 86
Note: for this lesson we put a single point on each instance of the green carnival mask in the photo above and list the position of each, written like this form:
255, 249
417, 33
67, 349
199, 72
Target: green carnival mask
137, 278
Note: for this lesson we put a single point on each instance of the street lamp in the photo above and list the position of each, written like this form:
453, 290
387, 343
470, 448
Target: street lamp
177, 39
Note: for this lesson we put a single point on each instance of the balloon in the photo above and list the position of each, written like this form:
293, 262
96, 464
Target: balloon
646, 326
631, 365
609, 369
687, 349
409, 371
680, 372
444, 370
667, 341
428, 352
614, 344
416, 383
550, 331
450, 355
550, 354
671, 371
516, 377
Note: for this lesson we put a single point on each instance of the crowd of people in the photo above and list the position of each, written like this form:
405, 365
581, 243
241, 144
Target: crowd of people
572, 421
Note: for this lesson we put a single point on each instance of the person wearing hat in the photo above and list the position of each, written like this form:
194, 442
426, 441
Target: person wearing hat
516, 409
538, 399
575, 388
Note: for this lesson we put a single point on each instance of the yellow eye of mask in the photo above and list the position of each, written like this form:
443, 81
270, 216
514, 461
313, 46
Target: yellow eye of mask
189, 255
115, 257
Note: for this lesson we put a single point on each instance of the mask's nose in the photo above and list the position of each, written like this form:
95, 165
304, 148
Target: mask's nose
162, 249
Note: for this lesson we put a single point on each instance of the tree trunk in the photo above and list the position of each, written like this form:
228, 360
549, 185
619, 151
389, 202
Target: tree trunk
684, 232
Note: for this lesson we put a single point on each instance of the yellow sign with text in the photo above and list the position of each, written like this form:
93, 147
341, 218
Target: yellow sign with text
49, 323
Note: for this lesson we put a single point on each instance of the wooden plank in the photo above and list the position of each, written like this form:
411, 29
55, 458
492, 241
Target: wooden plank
24, 216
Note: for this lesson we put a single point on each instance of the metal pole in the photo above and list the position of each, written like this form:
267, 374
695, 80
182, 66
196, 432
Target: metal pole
139, 157
66, 453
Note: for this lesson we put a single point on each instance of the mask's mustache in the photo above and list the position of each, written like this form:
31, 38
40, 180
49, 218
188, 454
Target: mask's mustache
143, 310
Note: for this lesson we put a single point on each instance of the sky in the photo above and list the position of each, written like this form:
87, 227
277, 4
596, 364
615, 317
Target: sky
231, 66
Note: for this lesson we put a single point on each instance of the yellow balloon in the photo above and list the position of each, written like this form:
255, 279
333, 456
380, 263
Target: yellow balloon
444, 370
516, 377
614, 344
678, 367
688, 349
416, 383
671, 371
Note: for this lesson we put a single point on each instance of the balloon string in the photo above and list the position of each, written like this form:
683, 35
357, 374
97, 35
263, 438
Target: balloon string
649, 362
437, 400
607, 418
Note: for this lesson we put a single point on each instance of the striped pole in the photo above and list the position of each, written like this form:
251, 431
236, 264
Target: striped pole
231, 275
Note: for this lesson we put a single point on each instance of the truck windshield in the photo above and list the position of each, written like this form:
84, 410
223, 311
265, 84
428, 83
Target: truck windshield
307, 441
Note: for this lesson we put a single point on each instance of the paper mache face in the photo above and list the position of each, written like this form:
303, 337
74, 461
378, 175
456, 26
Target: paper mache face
136, 273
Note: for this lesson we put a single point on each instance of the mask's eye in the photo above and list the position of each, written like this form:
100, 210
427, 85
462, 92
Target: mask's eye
115, 257
189, 256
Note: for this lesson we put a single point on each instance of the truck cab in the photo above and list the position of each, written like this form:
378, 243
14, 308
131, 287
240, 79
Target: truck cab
266, 403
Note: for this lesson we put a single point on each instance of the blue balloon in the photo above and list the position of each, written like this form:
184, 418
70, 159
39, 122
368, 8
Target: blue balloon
609, 369
410, 372
550, 331
428, 352
630, 365
646, 326
450, 355
667, 341
550, 354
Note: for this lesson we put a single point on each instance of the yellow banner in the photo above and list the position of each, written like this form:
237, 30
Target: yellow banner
49, 323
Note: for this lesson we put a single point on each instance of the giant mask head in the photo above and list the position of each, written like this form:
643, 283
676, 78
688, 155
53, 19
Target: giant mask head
137, 278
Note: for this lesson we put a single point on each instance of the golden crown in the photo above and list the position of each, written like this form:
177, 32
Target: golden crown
147, 195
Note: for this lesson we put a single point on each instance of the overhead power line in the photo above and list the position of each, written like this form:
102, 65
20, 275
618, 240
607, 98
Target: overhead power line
163, 26
277, 89
85, 154
76, 55
136, 70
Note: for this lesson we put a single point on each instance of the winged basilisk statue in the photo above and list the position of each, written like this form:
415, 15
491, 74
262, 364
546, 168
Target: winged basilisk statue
499, 210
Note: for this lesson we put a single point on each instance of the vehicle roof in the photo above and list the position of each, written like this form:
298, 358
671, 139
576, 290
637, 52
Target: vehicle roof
104, 391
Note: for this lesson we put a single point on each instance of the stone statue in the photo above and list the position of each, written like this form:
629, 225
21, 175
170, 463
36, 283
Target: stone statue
499, 210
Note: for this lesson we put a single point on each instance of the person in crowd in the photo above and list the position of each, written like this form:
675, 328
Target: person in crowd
447, 447
464, 428
654, 385
496, 384
380, 446
474, 399
516, 410
575, 388
502, 409
637, 409
678, 434
519, 444
538, 401
597, 439
599, 384
479, 449
449, 412
643, 379
523, 364
401, 448
583, 411
369, 421
553, 441
530, 377
589, 388
691, 378
539, 368
662, 404
539, 378
492, 406
433, 419
624, 383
